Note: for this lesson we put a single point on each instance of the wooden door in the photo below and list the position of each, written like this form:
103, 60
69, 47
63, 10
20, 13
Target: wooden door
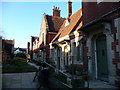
102, 62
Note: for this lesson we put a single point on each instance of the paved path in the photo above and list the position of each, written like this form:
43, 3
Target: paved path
25, 80
18, 80
93, 83
33, 65
101, 84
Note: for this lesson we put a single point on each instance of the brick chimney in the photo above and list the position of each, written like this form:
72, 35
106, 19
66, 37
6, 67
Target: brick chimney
55, 11
69, 8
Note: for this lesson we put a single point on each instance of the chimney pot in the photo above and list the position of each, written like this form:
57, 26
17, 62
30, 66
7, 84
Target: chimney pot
53, 7
56, 11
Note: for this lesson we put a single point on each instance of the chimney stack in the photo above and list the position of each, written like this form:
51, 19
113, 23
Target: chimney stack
55, 11
69, 8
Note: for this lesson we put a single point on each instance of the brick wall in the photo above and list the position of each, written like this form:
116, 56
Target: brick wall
92, 10
49, 37
116, 44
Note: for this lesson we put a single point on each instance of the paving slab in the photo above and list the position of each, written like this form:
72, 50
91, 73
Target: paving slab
25, 80
18, 80
101, 84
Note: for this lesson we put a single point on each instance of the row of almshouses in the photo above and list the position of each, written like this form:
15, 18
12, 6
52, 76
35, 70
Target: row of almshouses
85, 39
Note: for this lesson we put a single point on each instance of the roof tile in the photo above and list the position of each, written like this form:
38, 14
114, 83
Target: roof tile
74, 22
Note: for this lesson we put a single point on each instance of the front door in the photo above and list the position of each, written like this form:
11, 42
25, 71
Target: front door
102, 63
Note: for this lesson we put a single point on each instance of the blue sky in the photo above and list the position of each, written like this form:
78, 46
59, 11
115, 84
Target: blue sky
20, 20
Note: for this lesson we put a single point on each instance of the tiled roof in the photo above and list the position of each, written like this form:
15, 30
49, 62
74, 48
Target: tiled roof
74, 23
9, 41
54, 22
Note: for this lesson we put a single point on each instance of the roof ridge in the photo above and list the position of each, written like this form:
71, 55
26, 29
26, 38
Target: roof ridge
75, 12
55, 16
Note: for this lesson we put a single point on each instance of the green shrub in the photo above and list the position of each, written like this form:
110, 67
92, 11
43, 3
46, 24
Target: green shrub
18, 65
18, 62
19, 58
22, 55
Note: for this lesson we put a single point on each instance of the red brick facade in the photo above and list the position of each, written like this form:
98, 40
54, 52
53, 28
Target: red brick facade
92, 10
108, 11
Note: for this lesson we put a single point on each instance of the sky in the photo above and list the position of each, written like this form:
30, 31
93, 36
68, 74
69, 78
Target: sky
21, 20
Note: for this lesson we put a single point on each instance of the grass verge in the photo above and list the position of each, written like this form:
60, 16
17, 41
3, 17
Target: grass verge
18, 66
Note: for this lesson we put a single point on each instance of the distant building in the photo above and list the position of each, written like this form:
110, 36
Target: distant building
28, 50
50, 26
7, 49
33, 46
20, 50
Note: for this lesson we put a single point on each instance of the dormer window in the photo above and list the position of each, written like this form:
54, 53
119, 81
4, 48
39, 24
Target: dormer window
67, 22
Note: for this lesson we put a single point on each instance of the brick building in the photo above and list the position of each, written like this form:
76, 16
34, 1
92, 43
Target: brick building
32, 46
101, 28
64, 45
89, 37
7, 49
49, 28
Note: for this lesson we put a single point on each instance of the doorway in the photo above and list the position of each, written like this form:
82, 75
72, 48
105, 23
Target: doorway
102, 62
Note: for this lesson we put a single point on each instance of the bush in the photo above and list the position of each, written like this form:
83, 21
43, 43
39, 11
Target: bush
19, 58
18, 62
18, 65
22, 55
